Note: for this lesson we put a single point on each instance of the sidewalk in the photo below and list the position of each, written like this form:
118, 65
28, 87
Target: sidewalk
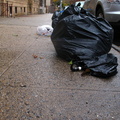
44, 88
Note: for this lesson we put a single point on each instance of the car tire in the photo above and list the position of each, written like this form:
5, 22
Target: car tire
99, 13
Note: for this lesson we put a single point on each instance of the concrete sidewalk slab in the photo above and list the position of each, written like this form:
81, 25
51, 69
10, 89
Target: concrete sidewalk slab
44, 88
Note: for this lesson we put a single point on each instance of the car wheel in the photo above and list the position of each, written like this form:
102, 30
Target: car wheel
99, 13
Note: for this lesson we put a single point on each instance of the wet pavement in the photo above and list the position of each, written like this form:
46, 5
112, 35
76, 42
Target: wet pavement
44, 88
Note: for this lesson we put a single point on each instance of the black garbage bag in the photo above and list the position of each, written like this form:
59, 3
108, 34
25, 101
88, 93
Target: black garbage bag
55, 16
82, 37
72, 9
102, 66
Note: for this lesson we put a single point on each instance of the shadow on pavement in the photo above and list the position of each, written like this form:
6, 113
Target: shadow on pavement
116, 40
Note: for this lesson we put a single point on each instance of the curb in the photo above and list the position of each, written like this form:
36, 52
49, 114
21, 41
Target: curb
116, 47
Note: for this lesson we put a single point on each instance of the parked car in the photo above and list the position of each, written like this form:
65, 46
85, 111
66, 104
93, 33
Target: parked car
108, 9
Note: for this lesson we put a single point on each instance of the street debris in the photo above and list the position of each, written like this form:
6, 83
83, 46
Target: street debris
84, 41
86, 72
15, 35
45, 30
23, 85
35, 56
41, 57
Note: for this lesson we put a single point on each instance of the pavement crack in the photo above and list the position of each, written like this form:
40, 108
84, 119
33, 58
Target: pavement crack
12, 62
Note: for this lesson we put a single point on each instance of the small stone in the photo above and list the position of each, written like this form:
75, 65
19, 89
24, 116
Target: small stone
23, 85
26, 103
97, 115
36, 95
41, 57
86, 102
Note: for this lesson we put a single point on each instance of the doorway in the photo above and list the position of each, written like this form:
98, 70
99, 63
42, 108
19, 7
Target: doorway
10, 8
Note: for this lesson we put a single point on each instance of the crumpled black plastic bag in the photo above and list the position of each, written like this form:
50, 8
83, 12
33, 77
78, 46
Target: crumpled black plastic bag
102, 66
79, 34
55, 16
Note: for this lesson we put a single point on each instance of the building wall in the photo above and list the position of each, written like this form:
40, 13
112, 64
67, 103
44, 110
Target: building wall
18, 7
33, 6
3, 8
23, 7
0, 7
48, 4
